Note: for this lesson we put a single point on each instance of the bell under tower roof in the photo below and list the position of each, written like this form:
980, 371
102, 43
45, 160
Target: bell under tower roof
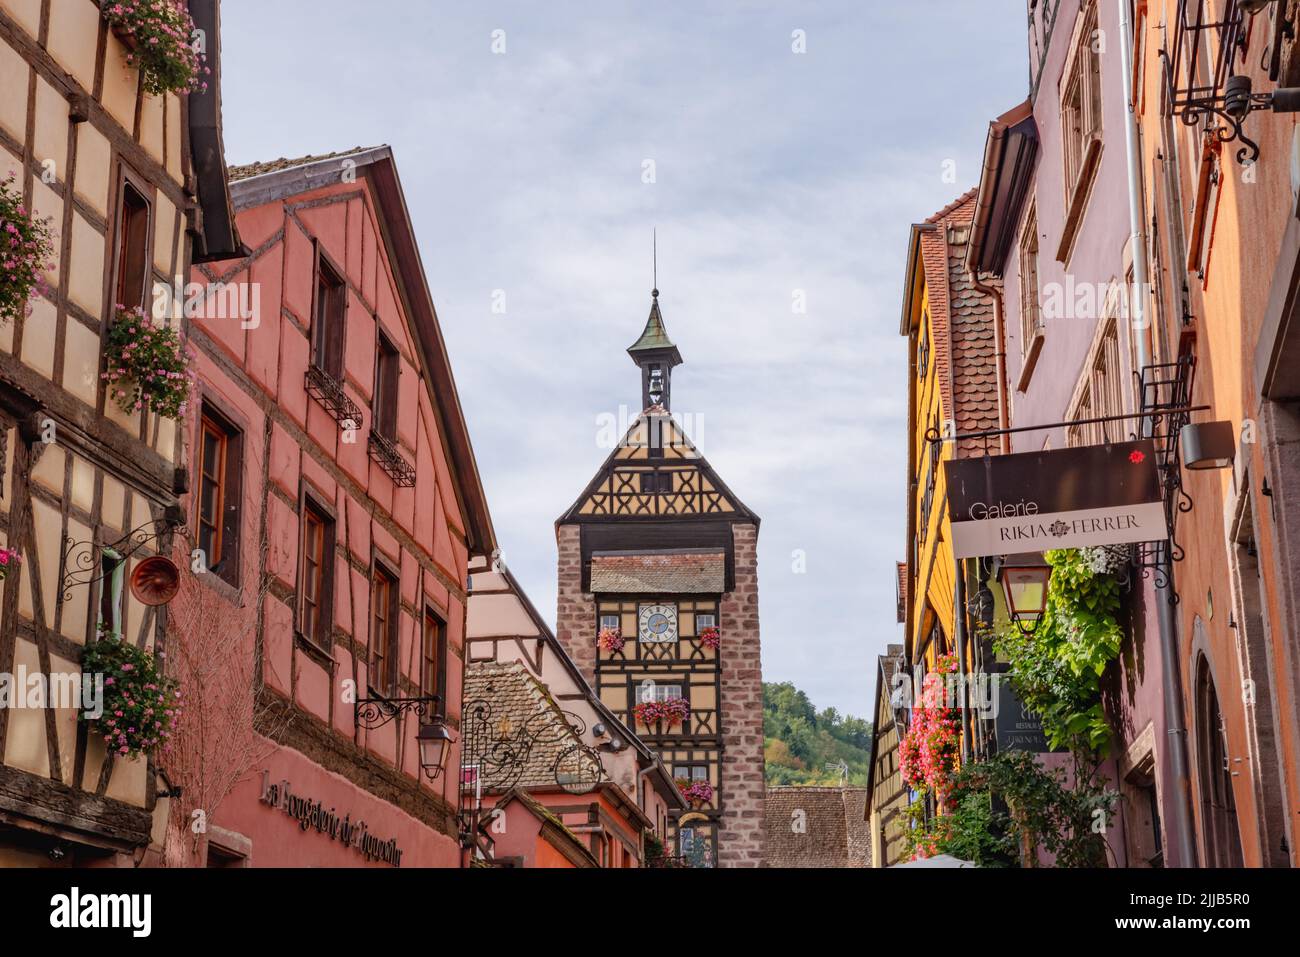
656, 356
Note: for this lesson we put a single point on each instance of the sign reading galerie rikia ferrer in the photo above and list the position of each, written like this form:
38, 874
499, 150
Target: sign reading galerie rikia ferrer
1065, 498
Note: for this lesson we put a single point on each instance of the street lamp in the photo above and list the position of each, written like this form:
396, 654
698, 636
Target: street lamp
1024, 582
434, 739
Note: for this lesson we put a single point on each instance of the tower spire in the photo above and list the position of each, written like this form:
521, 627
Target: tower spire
654, 352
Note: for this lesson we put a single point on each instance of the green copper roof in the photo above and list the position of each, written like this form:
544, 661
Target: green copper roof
655, 335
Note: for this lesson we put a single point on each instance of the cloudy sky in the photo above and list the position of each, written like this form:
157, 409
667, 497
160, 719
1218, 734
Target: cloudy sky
540, 144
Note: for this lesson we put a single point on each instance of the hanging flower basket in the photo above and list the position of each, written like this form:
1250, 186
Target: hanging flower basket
26, 245
698, 793
710, 638
929, 752
141, 706
146, 367
9, 561
160, 39
611, 640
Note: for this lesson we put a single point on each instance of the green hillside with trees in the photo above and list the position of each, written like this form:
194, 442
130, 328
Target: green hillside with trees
799, 741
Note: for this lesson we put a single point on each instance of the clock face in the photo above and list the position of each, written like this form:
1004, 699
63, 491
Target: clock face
658, 623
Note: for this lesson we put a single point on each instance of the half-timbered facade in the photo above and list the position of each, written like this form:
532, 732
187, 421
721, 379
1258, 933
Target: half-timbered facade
350, 514
658, 556
134, 188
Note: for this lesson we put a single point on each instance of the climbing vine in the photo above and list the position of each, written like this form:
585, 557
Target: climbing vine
1005, 810
1057, 670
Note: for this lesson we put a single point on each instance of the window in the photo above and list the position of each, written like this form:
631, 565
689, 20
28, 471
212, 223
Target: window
1081, 110
112, 573
433, 644
609, 621
653, 483
383, 631
703, 621
1100, 394
1031, 317
314, 622
388, 366
132, 247
652, 691
219, 473
923, 348
690, 772
328, 318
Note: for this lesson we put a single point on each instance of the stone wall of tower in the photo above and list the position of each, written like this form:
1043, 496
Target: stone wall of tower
575, 609
740, 839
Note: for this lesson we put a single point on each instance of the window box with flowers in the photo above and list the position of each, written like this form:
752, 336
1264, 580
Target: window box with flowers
9, 562
26, 246
698, 793
161, 40
141, 706
656, 715
710, 638
611, 640
146, 366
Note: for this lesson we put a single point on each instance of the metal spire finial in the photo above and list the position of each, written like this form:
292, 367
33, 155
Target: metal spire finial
654, 241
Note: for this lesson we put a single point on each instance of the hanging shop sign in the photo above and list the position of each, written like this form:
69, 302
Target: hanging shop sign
1064, 498
312, 815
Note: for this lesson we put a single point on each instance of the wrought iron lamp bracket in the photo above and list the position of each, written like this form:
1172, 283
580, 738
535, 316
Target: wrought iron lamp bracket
374, 713
84, 567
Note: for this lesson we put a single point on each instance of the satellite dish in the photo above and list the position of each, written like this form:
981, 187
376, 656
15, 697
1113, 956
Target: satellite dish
155, 581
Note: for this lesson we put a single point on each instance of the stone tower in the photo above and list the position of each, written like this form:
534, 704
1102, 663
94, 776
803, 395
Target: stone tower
658, 605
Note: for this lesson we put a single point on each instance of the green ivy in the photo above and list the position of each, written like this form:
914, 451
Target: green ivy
1057, 670
1010, 803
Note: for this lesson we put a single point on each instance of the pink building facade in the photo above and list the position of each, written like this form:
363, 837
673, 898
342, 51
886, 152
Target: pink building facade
335, 504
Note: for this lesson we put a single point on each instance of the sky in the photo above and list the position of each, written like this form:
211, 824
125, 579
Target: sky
780, 150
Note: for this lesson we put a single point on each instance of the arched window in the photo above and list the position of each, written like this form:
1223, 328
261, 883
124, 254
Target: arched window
1221, 838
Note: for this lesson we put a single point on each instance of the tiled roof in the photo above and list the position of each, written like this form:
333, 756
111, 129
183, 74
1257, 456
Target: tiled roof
690, 574
249, 170
520, 702
962, 322
816, 827
900, 590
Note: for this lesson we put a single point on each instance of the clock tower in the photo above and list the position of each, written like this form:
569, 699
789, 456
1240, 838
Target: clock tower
658, 606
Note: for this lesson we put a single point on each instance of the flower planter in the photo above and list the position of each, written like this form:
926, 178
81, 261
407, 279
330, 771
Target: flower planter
140, 705
146, 366
9, 561
159, 37
26, 247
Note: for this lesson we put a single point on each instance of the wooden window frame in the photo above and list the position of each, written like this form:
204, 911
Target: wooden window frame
328, 331
1080, 148
388, 683
1032, 331
385, 396
227, 563
148, 193
438, 686
311, 504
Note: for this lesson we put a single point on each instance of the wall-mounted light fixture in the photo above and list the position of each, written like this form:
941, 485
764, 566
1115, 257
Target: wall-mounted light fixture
1208, 445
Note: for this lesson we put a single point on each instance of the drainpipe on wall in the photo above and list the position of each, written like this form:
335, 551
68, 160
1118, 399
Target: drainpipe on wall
959, 609
999, 356
1171, 678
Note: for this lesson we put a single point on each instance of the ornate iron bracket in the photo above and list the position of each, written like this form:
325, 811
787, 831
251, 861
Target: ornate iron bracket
84, 567
373, 713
